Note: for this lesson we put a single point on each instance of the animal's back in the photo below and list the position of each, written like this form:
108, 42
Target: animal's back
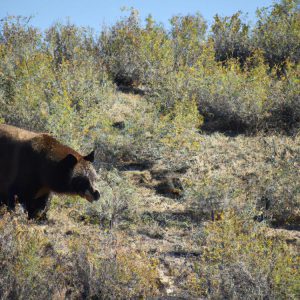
12, 140
25, 155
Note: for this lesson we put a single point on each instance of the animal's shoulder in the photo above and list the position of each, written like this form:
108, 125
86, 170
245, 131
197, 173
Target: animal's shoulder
52, 147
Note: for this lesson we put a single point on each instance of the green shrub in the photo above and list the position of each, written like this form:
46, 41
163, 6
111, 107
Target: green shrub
27, 269
38, 265
119, 201
231, 38
277, 33
241, 259
188, 38
134, 54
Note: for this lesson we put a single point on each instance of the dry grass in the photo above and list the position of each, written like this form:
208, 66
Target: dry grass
253, 175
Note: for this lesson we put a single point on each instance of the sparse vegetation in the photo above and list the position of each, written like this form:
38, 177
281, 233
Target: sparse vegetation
199, 160
254, 176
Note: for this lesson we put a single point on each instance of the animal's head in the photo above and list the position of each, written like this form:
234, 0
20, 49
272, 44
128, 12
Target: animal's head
81, 177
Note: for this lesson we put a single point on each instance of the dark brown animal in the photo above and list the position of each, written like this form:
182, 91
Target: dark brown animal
32, 165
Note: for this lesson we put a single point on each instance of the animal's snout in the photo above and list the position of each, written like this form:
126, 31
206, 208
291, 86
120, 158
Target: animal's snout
96, 195
91, 195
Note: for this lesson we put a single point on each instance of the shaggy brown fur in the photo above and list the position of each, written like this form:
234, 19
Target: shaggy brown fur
32, 165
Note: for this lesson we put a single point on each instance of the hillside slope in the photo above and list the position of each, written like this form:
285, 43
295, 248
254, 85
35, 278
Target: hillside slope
167, 226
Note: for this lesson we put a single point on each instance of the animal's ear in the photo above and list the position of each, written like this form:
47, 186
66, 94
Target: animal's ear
68, 162
90, 157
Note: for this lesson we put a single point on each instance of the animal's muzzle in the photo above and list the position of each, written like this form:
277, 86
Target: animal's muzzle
92, 195
96, 195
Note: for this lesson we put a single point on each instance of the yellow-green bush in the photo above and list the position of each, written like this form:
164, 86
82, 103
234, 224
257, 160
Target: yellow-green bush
27, 267
242, 259
247, 99
36, 264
